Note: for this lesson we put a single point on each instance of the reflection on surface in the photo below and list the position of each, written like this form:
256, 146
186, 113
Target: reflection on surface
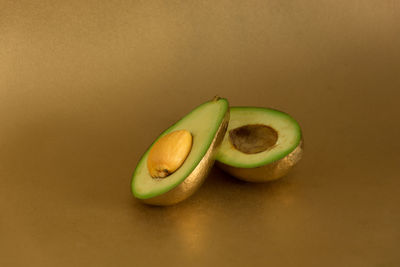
192, 229
186, 224
194, 223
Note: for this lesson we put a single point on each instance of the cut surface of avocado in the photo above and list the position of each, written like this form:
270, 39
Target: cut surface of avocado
258, 136
203, 123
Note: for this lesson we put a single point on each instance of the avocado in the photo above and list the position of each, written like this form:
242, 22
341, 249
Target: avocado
178, 161
261, 144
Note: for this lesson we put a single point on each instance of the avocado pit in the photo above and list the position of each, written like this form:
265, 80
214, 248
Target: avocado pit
169, 153
253, 138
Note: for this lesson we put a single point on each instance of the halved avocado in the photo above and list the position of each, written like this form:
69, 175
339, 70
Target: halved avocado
207, 124
261, 144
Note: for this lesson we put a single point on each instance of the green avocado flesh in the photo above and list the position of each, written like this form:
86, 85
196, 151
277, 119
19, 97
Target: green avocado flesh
287, 136
203, 123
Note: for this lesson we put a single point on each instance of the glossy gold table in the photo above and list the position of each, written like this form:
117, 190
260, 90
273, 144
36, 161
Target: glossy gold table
86, 86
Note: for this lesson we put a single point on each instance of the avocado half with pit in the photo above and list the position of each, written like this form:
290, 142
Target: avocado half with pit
261, 144
179, 160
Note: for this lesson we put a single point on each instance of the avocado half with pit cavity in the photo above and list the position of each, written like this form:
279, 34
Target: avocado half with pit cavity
179, 160
260, 145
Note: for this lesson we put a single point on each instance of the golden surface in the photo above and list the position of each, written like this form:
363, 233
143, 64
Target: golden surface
267, 172
86, 86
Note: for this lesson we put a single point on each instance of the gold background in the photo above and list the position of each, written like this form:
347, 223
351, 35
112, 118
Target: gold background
86, 86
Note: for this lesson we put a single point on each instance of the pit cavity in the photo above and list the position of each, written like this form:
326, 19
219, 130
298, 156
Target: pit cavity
253, 138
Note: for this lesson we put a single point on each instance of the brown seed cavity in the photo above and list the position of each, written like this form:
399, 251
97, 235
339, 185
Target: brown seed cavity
253, 138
